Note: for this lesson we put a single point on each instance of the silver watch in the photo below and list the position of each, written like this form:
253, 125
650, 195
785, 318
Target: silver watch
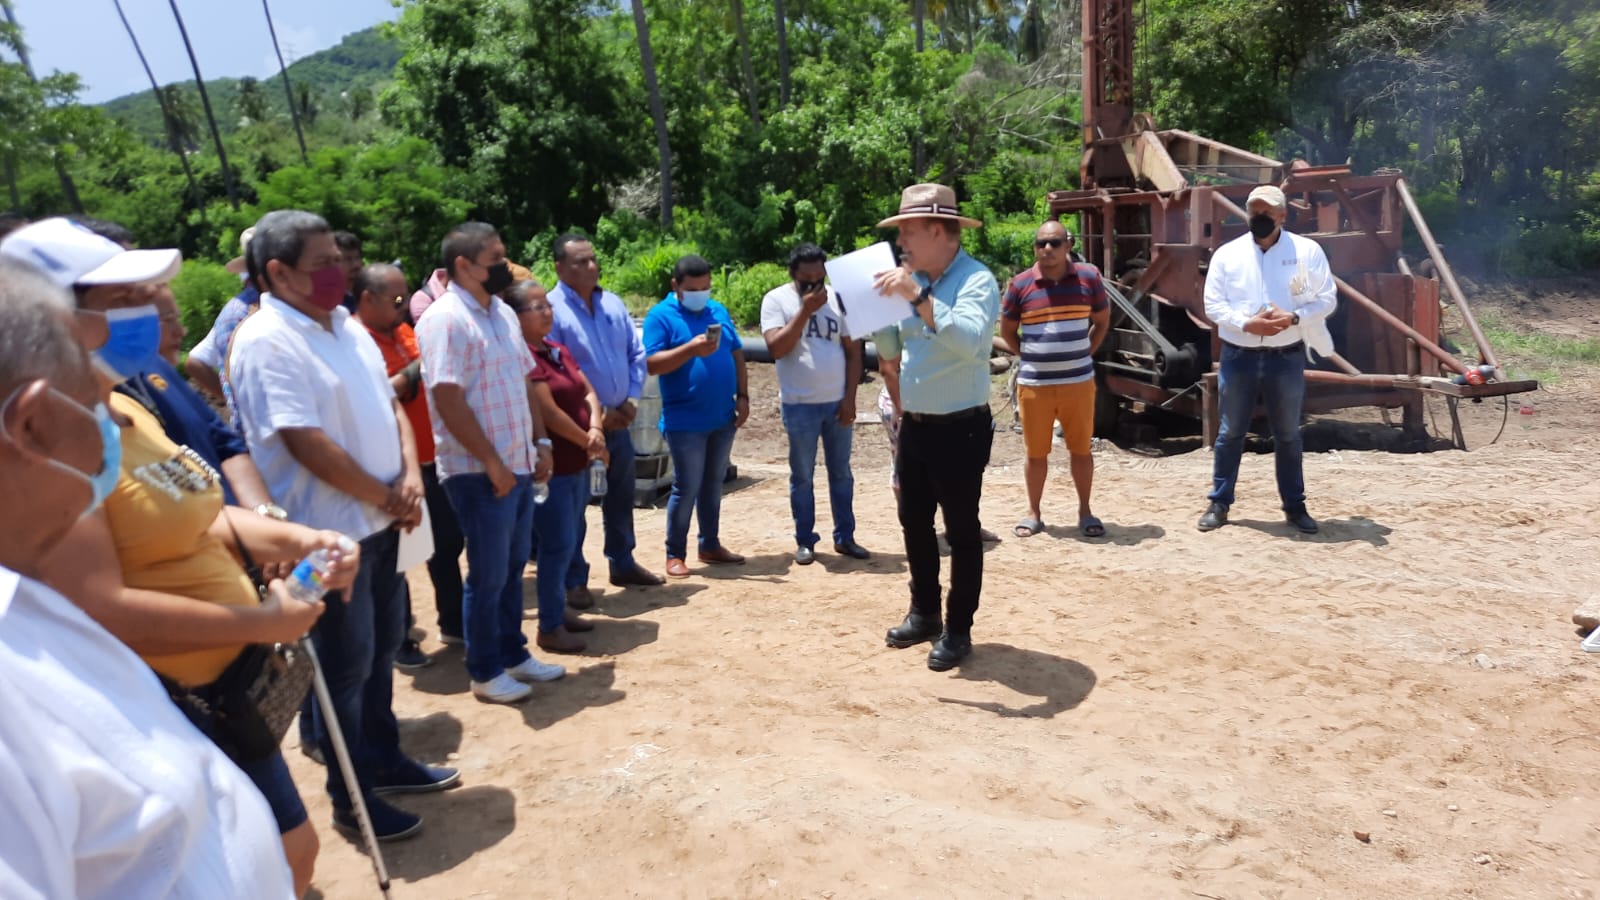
273, 511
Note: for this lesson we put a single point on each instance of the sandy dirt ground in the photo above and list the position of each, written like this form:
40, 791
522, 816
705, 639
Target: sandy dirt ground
1157, 713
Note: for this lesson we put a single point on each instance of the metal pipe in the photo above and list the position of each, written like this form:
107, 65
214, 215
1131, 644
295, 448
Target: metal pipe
1447, 276
1394, 322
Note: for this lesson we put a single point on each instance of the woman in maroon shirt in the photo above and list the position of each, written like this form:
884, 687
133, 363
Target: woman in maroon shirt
571, 414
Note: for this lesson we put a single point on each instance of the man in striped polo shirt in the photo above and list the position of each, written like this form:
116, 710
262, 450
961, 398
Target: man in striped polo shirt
1054, 317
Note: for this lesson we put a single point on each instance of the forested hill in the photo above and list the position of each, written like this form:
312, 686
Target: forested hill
349, 72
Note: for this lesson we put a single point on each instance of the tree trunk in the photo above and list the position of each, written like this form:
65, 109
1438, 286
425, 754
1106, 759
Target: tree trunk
167, 115
744, 61
288, 91
782, 18
69, 189
647, 59
205, 101
11, 182
919, 14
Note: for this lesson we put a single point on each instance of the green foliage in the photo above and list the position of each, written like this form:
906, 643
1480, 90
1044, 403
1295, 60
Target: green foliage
745, 287
1005, 245
648, 274
201, 288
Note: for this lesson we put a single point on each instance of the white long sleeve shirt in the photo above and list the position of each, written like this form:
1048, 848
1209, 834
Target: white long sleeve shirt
107, 792
1292, 274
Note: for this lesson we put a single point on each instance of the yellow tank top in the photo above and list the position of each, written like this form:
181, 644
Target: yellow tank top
164, 502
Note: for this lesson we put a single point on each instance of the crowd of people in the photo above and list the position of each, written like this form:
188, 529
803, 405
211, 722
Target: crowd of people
154, 518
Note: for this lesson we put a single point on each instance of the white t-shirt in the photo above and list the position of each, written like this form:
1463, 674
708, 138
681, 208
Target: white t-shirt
289, 372
813, 372
106, 789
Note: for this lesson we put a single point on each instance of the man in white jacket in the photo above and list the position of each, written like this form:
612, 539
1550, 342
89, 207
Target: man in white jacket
1268, 292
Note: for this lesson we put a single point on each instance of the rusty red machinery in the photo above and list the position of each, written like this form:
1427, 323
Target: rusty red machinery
1154, 205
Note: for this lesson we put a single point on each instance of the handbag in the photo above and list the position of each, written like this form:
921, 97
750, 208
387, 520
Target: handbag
247, 710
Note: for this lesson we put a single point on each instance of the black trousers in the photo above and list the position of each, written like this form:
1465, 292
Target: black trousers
444, 568
940, 466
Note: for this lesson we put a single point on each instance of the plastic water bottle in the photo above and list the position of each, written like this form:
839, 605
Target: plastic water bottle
597, 479
307, 581
541, 491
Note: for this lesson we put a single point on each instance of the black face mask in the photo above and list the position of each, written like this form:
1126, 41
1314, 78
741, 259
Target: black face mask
499, 278
1262, 226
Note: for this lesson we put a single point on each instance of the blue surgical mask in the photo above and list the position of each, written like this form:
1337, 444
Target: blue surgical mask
694, 301
101, 483
134, 338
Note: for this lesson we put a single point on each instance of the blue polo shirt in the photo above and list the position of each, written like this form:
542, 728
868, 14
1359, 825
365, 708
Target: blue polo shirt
698, 395
187, 419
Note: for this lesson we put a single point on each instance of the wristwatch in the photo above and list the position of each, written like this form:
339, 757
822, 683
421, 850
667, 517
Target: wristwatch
273, 511
1294, 319
922, 296
544, 443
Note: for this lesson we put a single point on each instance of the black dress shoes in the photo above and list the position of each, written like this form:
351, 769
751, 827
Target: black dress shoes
852, 550
804, 555
1216, 516
1301, 520
914, 630
949, 651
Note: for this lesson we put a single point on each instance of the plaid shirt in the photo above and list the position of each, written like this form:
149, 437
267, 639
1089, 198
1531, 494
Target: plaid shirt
481, 350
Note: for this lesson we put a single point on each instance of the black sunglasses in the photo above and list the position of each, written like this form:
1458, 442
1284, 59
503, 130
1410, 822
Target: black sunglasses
1042, 243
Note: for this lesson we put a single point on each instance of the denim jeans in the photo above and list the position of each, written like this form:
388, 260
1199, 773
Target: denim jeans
940, 465
699, 463
356, 639
444, 567
498, 531
1279, 377
806, 424
616, 512
556, 521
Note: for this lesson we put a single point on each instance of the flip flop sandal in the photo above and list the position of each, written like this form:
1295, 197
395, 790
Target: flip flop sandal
1091, 527
1028, 528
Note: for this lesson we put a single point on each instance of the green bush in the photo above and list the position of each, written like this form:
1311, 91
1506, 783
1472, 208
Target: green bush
1005, 245
648, 275
744, 289
201, 288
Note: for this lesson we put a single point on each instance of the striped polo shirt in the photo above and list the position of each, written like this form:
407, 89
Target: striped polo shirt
1055, 323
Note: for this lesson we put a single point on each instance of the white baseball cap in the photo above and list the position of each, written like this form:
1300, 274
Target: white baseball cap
70, 254
1272, 194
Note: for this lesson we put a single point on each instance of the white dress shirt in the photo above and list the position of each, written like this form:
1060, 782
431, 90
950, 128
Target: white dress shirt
288, 371
1293, 274
106, 790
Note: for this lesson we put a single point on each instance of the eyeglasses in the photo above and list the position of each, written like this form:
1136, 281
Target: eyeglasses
399, 301
1042, 243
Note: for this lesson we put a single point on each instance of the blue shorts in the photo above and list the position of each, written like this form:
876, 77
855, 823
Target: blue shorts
270, 775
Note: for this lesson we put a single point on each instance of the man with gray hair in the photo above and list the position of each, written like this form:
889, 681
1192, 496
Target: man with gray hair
1262, 289
83, 721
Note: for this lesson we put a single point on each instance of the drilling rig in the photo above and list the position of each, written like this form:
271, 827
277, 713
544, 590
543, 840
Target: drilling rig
1155, 204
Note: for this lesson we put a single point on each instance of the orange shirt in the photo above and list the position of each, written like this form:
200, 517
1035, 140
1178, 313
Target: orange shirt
398, 352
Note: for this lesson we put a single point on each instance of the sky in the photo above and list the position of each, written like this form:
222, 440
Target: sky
229, 36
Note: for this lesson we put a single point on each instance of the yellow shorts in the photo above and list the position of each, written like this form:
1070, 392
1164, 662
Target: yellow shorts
1044, 405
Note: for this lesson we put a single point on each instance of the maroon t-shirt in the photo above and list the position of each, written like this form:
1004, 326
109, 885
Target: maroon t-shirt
557, 367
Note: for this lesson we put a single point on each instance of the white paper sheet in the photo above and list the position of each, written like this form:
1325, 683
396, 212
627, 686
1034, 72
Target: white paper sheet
416, 545
865, 310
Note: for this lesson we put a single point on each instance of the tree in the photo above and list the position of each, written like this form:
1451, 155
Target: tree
744, 61
647, 62
168, 115
283, 70
251, 103
205, 101
13, 39
781, 19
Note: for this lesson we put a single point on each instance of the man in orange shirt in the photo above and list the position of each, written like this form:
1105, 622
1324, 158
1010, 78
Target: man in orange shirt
380, 290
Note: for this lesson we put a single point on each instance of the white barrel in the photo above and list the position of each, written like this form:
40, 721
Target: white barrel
646, 427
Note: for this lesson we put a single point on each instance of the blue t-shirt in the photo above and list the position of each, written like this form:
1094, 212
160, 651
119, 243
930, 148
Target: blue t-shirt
187, 419
698, 395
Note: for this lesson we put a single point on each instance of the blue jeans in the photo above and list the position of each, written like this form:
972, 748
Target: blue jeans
807, 423
616, 512
1279, 377
699, 463
356, 640
498, 531
556, 521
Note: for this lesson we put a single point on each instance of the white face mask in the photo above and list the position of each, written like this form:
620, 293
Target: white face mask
694, 301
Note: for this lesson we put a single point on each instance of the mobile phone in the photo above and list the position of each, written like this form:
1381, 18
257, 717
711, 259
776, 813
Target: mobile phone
714, 332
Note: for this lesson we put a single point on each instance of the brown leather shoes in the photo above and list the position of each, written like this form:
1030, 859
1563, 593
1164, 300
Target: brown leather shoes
574, 622
580, 598
560, 641
677, 568
638, 575
721, 556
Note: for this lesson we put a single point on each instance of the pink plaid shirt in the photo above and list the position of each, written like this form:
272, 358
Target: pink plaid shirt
481, 350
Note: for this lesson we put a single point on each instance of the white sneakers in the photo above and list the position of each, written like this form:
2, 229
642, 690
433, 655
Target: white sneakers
531, 670
501, 689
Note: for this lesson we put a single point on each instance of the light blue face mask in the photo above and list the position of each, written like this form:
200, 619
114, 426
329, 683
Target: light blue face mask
694, 301
132, 341
102, 482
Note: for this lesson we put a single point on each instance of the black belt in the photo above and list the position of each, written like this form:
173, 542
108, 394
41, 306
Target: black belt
1295, 347
970, 412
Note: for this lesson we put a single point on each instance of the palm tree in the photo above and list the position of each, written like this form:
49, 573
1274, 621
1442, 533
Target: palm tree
288, 91
69, 189
647, 59
169, 116
744, 61
783, 52
205, 101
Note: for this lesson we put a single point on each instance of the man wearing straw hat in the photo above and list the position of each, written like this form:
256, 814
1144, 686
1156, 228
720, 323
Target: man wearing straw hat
945, 428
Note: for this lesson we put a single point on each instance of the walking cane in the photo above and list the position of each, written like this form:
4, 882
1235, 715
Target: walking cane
331, 719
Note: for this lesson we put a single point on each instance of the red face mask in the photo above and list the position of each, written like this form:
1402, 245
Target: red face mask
327, 288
